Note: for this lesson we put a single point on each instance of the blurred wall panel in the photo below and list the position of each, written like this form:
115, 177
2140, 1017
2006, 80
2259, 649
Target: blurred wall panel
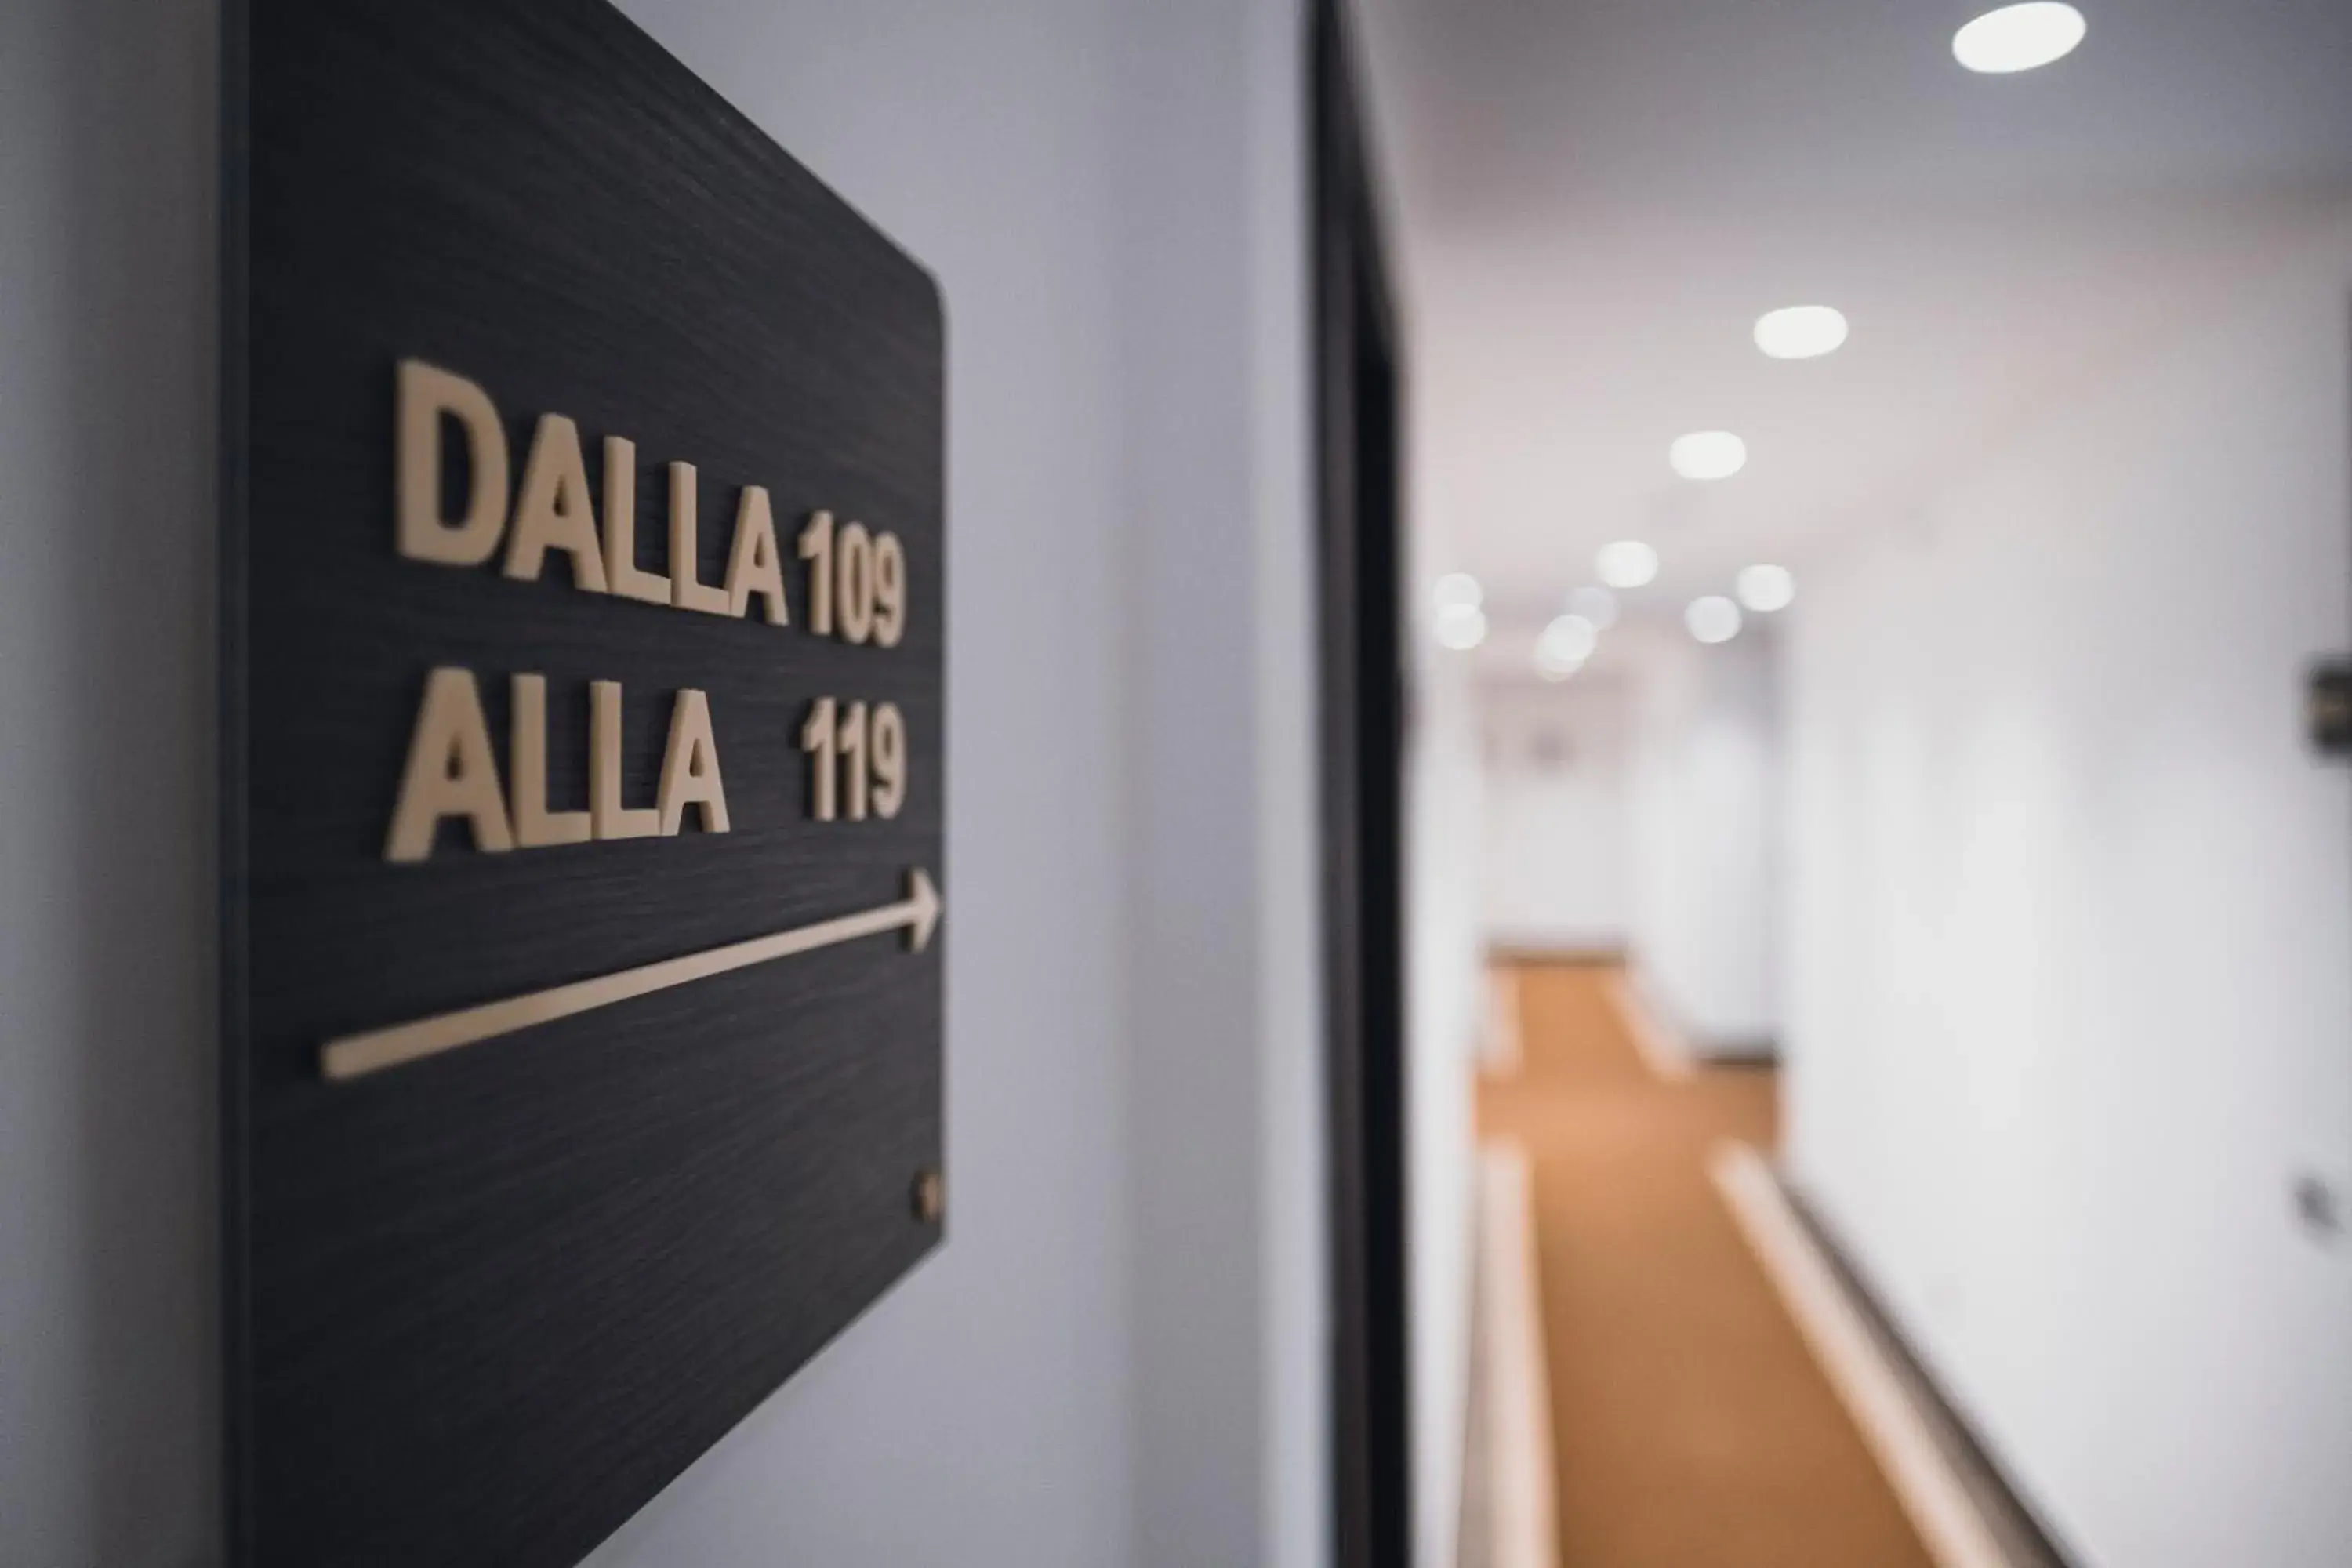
2070, 928
108, 1327
1558, 766
1703, 841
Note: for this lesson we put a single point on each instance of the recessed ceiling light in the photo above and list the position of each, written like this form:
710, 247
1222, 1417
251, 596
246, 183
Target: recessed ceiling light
1596, 604
1767, 588
2019, 37
1801, 332
1564, 647
1628, 564
1713, 618
1568, 640
1461, 628
1707, 455
1459, 588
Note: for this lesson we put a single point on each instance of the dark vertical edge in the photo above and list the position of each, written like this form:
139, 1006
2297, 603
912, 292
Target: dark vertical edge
1359, 726
1333, 308
945, 880
1380, 701
237, 1514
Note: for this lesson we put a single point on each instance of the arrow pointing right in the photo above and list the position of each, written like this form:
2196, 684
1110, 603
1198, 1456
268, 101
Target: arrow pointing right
356, 1056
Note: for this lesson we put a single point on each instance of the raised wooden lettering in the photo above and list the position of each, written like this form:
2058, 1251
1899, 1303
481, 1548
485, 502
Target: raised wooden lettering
450, 773
611, 818
690, 774
685, 591
424, 394
626, 578
555, 511
534, 825
754, 565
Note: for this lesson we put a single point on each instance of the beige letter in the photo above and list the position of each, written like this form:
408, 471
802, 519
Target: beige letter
450, 771
690, 766
816, 548
554, 511
854, 581
685, 592
890, 740
612, 820
754, 565
534, 825
890, 589
424, 394
621, 569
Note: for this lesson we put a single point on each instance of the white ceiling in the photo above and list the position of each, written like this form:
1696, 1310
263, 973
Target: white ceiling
1595, 198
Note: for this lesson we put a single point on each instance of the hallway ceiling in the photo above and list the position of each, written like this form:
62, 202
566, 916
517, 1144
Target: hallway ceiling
1594, 199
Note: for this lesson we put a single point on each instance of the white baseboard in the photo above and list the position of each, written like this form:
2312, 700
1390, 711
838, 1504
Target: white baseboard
1503, 1049
1660, 1046
1930, 1489
1516, 1523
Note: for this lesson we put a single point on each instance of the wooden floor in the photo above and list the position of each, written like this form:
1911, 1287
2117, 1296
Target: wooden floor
1692, 1427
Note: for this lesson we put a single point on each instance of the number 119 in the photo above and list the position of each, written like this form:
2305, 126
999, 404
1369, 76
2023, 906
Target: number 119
857, 760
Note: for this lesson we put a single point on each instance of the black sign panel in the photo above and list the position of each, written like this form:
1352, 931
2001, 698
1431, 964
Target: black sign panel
582, 647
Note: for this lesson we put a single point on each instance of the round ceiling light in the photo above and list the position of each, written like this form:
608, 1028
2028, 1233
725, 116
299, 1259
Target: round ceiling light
1628, 564
1458, 589
1713, 618
1566, 642
1801, 332
1707, 455
1461, 628
1767, 588
2019, 37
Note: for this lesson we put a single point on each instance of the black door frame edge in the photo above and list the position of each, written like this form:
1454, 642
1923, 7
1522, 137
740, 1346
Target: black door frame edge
1361, 648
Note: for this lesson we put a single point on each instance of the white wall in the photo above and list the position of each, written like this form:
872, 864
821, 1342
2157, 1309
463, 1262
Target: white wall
1116, 1356
1705, 855
1445, 994
107, 297
1635, 808
1221, 1014
2071, 935
1558, 759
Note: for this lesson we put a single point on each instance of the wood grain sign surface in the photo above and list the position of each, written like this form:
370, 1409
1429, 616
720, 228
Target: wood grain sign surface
582, 647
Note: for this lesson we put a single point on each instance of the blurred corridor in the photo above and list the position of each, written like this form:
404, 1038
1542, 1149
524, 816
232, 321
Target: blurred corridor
1884, 570
1692, 1428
